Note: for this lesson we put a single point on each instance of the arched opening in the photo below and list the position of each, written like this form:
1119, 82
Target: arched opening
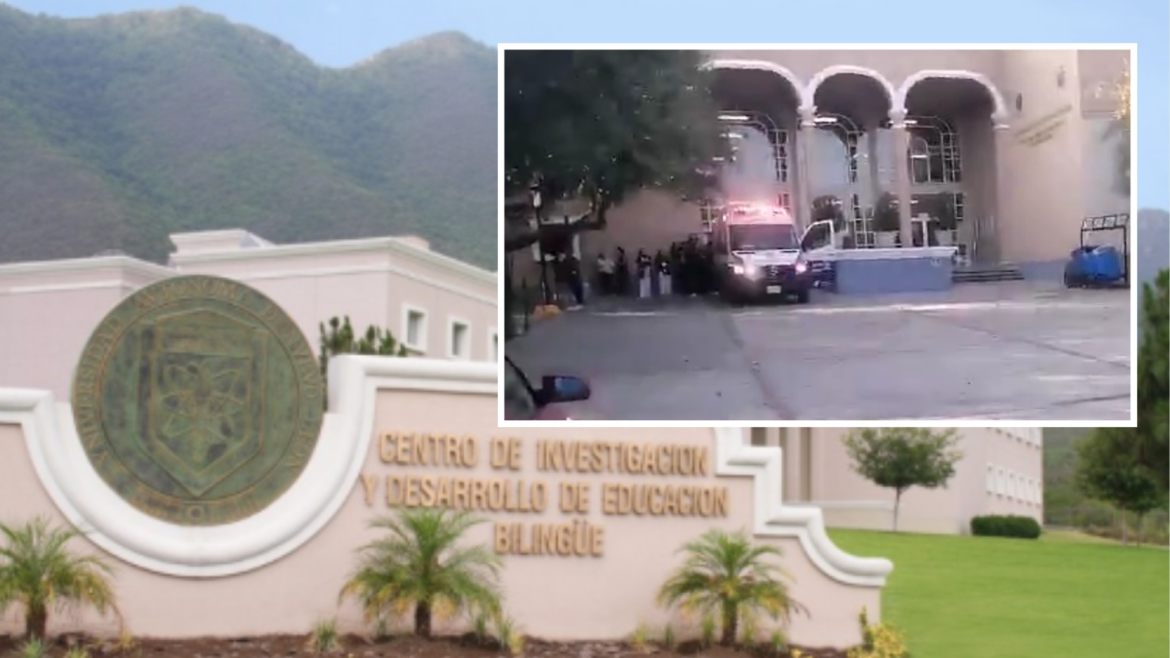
758, 102
850, 159
951, 160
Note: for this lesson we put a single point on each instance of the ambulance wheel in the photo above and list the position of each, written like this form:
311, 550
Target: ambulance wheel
802, 296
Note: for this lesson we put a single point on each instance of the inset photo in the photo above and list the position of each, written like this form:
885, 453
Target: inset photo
829, 233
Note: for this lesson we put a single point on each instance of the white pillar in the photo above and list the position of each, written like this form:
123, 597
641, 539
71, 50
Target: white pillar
902, 174
807, 161
990, 235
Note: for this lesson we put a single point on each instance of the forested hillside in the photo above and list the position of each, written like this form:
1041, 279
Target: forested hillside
118, 130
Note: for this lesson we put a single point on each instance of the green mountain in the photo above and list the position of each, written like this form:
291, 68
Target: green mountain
119, 130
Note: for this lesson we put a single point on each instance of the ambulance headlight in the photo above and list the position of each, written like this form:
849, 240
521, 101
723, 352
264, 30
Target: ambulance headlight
748, 271
801, 267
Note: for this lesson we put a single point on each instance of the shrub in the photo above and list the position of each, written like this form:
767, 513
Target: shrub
778, 644
878, 641
726, 574
668, 639
708, 630
33, 648
640, 638
420, 562
509, 635
1023, 527
39, 572
324, 638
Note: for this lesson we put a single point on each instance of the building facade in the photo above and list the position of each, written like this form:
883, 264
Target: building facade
437, 306
999, 153
1001, 472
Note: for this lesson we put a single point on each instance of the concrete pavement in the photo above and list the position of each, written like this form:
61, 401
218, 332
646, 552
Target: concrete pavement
1007, 351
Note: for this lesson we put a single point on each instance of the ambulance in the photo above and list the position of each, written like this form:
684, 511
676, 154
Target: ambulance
760, 254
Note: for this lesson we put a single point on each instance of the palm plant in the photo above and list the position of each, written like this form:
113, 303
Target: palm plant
726, 574
419, 563
40, 573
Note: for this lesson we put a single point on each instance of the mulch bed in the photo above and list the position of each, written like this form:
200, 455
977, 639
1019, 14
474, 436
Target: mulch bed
276, 646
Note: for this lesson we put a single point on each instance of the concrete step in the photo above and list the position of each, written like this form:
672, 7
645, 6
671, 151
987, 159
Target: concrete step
987, 273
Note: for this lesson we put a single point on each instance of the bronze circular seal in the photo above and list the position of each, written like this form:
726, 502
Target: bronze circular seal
198, 400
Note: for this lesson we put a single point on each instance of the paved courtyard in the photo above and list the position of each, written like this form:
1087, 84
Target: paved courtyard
1005, 351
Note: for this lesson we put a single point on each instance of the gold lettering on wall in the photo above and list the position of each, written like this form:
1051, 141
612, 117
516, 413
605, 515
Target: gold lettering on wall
413, 483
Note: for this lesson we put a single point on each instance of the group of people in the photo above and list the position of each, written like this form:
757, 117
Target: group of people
686, 268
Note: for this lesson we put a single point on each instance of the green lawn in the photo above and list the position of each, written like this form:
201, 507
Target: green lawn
982, 597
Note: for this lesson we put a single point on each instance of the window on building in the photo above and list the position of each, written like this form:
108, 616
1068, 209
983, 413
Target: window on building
990, 479
759, 436
414, 329
459, 347
493, 345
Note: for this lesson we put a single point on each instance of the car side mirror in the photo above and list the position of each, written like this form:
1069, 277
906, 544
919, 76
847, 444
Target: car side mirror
555, 389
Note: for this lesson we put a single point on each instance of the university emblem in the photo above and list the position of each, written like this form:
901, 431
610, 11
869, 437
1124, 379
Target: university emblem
198, 400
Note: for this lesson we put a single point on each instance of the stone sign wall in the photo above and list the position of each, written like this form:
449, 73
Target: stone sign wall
197, 456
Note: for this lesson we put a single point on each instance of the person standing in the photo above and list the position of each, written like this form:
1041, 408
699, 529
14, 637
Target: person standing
574, 280
605, 272
621, 273
662, 264
645, 265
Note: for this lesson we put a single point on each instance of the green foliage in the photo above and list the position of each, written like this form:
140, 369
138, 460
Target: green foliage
1153, 386
32, 648
339, 338
707, 630
1022, 527
607, 123
325, 638
38, 572
77, 651
1060, 466
1110, 468
481, 627
508, 633
777, 642
120, 130
899, 458
878, 641
640, 638
669, 640
726, 574
419, 563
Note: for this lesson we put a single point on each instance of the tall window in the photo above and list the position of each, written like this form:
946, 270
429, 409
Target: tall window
934, 151
459, 347
414, 329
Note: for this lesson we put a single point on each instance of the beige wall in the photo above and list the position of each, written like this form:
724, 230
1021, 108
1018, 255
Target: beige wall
554, 597
49, 309
851, 501
1030, 184
1040, 184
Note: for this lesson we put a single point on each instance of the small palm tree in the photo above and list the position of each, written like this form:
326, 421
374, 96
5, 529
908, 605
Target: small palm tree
37, 571
725, 574
418, 563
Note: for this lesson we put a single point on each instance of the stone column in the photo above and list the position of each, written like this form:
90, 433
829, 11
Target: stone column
902, 175
804, 161
990, 236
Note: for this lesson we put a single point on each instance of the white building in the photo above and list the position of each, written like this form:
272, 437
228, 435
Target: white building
1001, 472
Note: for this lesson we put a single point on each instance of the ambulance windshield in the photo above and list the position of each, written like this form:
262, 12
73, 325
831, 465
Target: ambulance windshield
762, 237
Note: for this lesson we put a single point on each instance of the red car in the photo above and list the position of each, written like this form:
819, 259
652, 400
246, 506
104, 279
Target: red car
524, 402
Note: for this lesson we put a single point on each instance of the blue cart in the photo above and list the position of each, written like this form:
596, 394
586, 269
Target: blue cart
1102, 266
